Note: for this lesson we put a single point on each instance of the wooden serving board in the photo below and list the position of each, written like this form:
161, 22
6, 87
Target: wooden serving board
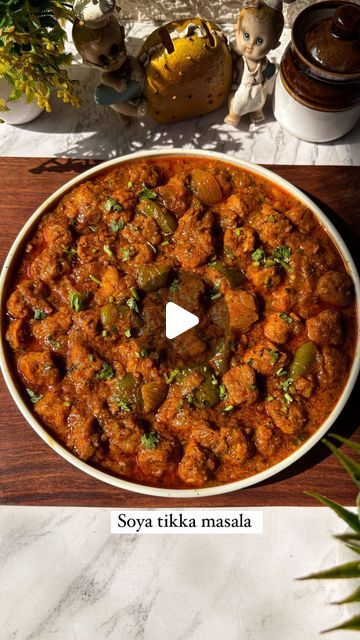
33, 474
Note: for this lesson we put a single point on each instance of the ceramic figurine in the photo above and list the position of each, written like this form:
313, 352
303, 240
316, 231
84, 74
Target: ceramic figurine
100, 40
257, 31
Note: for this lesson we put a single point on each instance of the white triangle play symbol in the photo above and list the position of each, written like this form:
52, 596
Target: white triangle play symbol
178, 320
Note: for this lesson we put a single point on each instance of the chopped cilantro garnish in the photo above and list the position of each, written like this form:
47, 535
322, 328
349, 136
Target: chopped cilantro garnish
268, 282
129, 184
174, 287
214, 380
271, 218
70, 252
237, 232
285, 385
117, 225
34, 397
230, 407
108, 250
274, 354
127, 333
147, 194
123, 406
288, 398
54, 343
131, 303
222, 392
281, 372
216, 295
172, 375
106, 373
269, 398
77, 301
150, 440
104, 333
39, 314
112, 205
95, 279
125, 253
286, 318
250, 362
142, 353
281, 255
258, 256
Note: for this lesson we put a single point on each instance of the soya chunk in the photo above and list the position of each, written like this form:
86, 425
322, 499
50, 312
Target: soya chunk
80, 436
288, 418
278, 327
159, 459
325, 328
272, 226
54, 412
331, 367
335, 287
264, 279
38, 368
197, 465
239, 241
267, 439
193, 239
17, 333
265, 357
240, 383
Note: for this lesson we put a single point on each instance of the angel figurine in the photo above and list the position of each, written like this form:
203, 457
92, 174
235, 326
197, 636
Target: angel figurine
100, 40
258, 29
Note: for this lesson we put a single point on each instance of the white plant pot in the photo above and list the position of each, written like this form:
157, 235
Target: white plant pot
20, 111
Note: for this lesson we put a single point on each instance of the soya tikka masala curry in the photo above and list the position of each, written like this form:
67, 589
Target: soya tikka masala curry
225, 400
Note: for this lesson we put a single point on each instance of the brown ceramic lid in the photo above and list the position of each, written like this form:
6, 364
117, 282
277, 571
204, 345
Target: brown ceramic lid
333, 42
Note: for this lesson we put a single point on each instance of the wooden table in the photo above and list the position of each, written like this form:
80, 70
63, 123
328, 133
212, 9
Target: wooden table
33, 474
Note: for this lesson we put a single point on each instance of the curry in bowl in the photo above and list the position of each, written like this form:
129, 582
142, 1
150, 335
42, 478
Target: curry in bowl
227, 399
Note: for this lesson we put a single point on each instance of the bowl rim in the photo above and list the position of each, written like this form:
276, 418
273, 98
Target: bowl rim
148, 489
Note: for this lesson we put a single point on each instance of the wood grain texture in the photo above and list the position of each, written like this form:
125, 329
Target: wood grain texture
33, 474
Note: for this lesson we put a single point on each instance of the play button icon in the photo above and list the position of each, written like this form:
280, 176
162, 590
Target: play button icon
178, 320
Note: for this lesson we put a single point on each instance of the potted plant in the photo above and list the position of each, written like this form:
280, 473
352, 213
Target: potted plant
351, 539
32, 57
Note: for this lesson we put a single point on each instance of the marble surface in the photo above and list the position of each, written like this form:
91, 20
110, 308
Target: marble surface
64, 577
95, 132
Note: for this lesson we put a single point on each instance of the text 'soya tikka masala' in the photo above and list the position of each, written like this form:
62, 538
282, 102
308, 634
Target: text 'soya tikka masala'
225, 400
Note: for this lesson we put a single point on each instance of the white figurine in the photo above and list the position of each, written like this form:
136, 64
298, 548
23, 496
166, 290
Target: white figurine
257, 30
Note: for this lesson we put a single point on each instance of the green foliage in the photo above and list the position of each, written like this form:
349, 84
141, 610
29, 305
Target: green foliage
32, 56
351, 540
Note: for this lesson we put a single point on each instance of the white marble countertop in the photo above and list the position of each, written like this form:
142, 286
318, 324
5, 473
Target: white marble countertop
63, 575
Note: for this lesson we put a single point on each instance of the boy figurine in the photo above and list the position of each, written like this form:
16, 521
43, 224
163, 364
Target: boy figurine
100, 40
257, 30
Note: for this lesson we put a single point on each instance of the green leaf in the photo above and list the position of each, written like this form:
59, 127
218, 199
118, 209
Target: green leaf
350, 443
77, 301
350, 518
34, 397
150, 440
349, 537
112, 205
147, 194
353, 624
349, 464
353, 597
341, 571
106, 373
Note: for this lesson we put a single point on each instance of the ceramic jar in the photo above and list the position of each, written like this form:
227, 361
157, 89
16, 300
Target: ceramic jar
317, 90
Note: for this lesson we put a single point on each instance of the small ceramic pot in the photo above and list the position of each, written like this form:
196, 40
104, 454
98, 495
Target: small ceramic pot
317, 90
20, 111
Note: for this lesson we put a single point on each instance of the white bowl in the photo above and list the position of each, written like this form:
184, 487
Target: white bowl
132, 486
